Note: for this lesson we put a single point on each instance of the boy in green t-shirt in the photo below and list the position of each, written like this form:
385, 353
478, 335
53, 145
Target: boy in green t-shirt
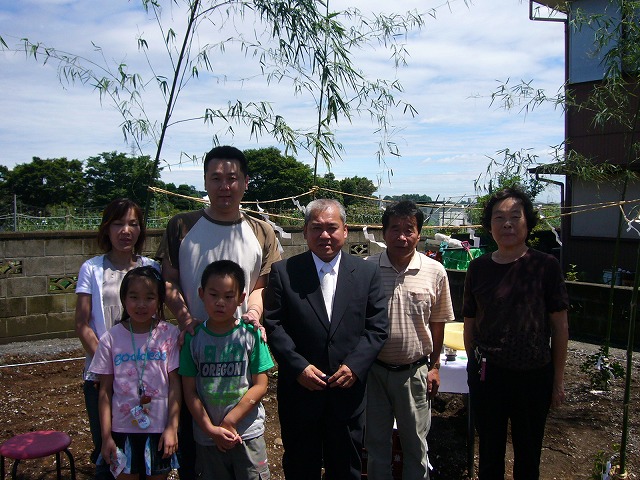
223, 367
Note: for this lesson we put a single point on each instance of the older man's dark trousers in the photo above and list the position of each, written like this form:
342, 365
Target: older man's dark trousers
321, 440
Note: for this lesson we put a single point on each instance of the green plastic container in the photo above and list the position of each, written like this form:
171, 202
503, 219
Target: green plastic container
459, 258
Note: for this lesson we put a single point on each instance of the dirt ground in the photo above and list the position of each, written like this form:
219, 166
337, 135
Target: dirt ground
44, 396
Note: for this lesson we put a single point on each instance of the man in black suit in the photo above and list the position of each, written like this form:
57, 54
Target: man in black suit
324, 339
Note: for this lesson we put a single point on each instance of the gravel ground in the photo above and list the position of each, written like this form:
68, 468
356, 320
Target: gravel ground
42, 348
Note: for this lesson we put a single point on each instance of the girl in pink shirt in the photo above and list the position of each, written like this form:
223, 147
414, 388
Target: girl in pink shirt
139, 400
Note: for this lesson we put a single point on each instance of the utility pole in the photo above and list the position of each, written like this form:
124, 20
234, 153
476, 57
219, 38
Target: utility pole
15, 213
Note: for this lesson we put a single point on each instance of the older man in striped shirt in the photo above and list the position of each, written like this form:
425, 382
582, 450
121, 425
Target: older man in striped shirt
405, 377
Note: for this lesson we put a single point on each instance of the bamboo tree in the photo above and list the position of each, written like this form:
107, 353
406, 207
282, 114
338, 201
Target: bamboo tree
303, 42
627, 384
325, 69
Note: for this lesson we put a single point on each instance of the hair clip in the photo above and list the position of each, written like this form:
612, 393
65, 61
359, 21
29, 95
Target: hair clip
156, 274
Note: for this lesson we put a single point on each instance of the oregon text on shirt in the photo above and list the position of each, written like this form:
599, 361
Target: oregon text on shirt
222, 369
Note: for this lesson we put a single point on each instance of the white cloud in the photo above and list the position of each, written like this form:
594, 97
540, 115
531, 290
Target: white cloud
456, 61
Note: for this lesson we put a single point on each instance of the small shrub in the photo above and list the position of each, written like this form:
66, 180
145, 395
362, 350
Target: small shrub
605, 466
572, 274
601, 370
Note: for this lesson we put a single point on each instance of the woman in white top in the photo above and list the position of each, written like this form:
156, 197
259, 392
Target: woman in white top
121, 236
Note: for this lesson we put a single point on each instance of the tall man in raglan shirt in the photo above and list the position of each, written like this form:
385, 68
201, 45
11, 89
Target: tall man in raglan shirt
218, 232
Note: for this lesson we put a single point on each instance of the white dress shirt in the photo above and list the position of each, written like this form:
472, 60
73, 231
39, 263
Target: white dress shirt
331, 279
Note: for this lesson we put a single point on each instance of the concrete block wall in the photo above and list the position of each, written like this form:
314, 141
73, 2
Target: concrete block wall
38, 274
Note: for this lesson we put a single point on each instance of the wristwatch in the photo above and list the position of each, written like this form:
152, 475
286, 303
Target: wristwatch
436, 366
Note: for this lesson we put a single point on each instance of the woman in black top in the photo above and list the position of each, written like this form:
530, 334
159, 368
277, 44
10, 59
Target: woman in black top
516, 334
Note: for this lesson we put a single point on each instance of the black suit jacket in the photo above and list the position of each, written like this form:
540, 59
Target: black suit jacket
299, 332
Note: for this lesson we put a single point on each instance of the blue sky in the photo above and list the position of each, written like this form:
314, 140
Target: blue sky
456, 61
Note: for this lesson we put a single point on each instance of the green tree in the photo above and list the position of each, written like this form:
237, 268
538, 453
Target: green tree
328, 181
414, 197
44, 182
5, 192
182, 204
510, 170
4, 173
273, 175
504, 179
361, 186
111, 175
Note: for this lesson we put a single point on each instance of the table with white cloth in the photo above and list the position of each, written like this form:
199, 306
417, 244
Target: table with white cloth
453, 379
453, 374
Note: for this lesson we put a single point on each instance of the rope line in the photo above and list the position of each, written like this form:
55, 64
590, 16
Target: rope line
41, 362
575, 209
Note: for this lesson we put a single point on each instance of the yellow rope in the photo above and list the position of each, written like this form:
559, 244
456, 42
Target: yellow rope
310, 192
166, 192
575, 209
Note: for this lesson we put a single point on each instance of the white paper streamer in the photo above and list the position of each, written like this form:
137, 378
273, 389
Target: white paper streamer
475, 241
630, 221
607, 474
555, 232
371, 238
631, 227
277, 228
297, 204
